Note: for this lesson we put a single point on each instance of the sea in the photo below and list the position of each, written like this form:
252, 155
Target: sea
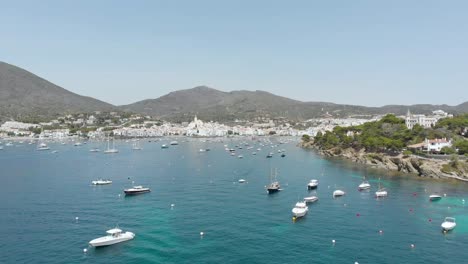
198, 212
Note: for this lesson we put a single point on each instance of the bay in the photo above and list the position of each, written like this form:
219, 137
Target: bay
44, 192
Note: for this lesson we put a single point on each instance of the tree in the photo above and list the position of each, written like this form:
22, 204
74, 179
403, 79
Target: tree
305, 138
448, 150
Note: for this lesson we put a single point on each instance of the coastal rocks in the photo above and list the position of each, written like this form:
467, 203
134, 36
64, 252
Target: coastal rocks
408, 164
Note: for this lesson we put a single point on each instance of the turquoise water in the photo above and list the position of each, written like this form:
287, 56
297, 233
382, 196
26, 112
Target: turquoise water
42, 193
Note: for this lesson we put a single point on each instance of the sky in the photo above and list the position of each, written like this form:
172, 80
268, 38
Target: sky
360, 52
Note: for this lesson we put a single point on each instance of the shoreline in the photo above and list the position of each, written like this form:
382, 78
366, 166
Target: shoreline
413, 165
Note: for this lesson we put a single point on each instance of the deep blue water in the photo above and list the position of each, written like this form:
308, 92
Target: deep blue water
42, 193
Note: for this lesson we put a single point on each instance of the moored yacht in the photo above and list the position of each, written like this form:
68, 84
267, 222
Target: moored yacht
274, 185
110, 150
164, 146
300, 209
136, 190
114, 236
174, 143
381, 192
312, 184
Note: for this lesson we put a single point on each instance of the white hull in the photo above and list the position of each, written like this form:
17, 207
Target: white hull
111, 151
448, 224
299, 212
364, 186
110, 240
310, 199
101, 182
381, 194
338, 193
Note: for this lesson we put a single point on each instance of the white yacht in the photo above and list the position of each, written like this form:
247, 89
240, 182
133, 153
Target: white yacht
448, 224
101, 182
94, 150
174, 143
114, 236
312, 184
136, 190
77, 144
164, 146
338, 193
365, 185
310, 199
241, 180
300, 209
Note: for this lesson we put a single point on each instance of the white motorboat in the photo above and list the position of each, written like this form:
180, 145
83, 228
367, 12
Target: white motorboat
114, 236
94, 150
448, 224
337, 193
101, 182
174, 143
164, 146
43, 146
435, 197
313, 184
310, 199
136, 190
240, 156
241, 180
365, 185
77, 144
300, 209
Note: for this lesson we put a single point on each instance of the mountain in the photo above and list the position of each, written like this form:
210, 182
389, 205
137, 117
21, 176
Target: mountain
25, 94
210, 104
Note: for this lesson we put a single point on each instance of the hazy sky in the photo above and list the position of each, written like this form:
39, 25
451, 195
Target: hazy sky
355, 52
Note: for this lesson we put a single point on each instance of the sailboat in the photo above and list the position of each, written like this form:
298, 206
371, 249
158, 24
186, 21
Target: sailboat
110, 150
365, 185
42, 145
136, 145
274, 185
381, 192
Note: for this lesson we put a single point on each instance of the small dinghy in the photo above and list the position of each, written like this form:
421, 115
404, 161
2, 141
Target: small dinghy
101, 182
136, 190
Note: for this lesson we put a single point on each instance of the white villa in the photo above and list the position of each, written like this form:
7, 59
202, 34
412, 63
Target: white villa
432, 145
424, 121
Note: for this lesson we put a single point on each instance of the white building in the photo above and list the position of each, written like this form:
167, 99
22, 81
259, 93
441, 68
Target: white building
433, 145
422, 120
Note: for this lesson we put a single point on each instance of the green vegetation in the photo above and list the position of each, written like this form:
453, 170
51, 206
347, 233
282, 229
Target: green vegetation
455, 166
391, 135
305, 138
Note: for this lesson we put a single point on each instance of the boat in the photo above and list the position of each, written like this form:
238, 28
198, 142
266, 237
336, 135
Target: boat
365, 185
114, 236
313, 184
43, 146
9, 144
94, 150
136, 146
174, 143
310, 199
300, 209
448, 224
136, 190
164, 146
381, 192
240, 156
338, 193
101, 182
434, 197
269, 155
254, 153
274, 186
110, 150
241, 180
77, 144
283, 155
